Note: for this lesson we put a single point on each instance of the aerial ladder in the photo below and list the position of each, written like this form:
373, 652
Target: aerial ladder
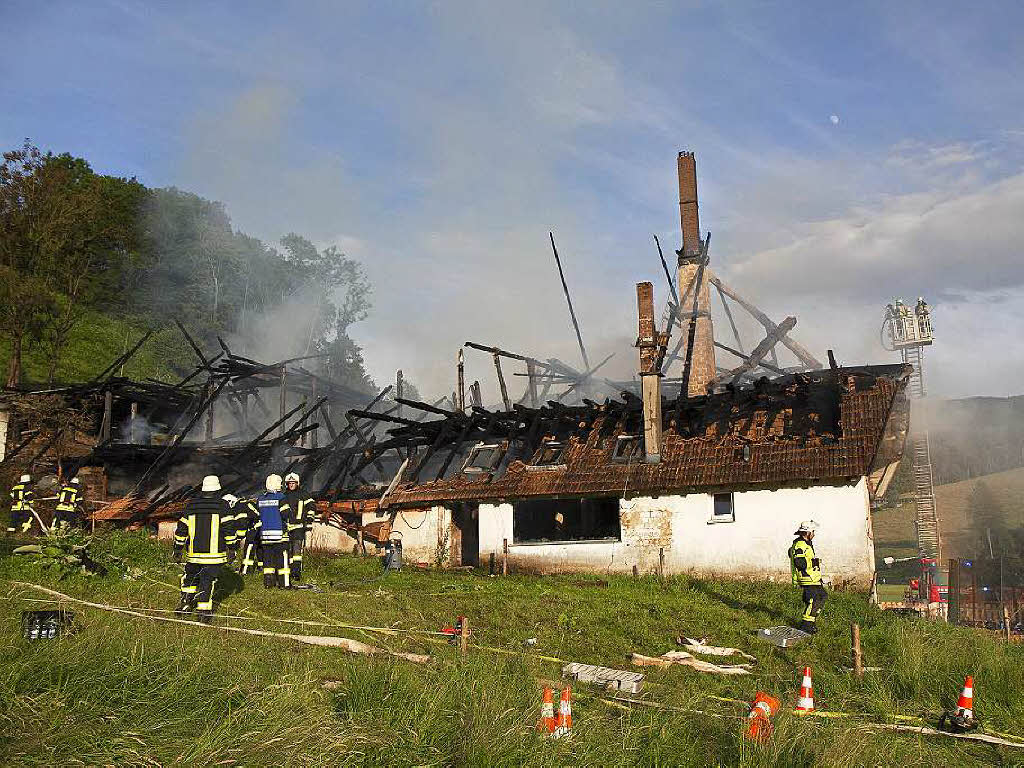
908, 330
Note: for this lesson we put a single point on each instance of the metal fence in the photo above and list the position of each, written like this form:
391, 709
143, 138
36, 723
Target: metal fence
987, 593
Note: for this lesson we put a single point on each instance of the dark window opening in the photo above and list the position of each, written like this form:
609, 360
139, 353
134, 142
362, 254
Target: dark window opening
484, 458
625, 448
540, 520
550, 453
724, 511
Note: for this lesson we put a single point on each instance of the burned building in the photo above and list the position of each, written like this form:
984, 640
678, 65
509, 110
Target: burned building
712, 479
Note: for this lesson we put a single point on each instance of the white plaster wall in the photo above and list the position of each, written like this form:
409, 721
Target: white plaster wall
755, 545
757, 542
425, 534
327, 538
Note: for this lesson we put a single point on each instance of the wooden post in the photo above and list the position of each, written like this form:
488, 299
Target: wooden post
490, 564
501, 383
504, 557
531, 382
636, 572
208, 438
464, 637
661, 562
858, 657
108, 406
315, 436
461, 390
1006, 623
359, 541
134, 414
284, 399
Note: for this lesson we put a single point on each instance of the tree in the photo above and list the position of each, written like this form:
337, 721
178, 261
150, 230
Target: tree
64, 231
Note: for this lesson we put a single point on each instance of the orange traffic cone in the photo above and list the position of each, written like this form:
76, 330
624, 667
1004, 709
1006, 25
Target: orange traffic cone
965, 706
546, 724
805, 701
759, 719
563, 723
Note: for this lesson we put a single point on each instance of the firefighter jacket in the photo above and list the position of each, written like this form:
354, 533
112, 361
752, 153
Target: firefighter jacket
303, 510
274, 509
22, 497
205, 530
246, 519
67, 499
806, 567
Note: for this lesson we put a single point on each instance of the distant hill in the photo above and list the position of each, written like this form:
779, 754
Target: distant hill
974, 436
999, 496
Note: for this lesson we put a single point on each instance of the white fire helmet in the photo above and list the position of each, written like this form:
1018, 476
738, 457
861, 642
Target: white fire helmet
807, 526
211, 483
76, 480
291, 477
230, 498
273, 483
25, 479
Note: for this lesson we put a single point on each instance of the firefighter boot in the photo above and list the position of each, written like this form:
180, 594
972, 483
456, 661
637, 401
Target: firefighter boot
296, 575
269, 580
187, 604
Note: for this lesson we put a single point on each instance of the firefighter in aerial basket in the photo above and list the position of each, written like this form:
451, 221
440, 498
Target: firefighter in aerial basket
806, 568
204, 535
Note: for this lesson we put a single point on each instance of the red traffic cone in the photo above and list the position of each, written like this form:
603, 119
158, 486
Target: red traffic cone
965, 706
563, 723
546, 724
805, 701
759, 719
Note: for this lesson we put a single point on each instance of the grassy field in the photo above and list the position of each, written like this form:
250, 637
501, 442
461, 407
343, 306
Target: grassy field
131, 691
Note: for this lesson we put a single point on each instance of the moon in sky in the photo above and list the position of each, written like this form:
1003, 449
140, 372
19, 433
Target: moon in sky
834, 119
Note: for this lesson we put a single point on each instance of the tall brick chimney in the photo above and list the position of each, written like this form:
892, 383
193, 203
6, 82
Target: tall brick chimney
649, 340
699, 358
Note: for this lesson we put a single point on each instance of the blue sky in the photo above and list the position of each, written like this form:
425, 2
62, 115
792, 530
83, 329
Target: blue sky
439, 142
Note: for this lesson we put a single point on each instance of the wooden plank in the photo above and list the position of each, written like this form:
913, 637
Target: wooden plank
797, 349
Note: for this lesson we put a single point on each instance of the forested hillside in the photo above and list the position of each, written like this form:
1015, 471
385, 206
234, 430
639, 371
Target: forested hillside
89, 262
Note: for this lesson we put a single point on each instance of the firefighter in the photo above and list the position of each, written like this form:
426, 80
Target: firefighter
272, 525
206, 536
69, 505
807, 575
300, 523
22, 509
247, 532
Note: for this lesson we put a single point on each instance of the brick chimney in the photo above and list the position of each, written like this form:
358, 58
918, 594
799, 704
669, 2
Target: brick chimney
648, 341
699, 361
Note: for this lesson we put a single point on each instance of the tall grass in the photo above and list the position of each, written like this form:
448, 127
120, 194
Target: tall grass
130, 692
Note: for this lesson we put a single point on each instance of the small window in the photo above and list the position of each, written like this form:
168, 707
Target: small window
550, 453
723, 509
625, 448
484, 458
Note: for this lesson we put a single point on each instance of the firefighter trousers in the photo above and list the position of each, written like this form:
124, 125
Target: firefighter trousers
197, 586
296, 544
276, 564
814, 597
250, 554
20, 521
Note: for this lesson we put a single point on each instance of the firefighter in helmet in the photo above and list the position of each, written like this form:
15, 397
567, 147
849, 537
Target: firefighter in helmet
205, 535
69, 505
299, 523
22, 509
806, 567
272, 525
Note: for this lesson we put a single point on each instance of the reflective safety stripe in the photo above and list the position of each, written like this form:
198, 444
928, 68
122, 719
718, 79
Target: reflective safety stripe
204, 558
271, 535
